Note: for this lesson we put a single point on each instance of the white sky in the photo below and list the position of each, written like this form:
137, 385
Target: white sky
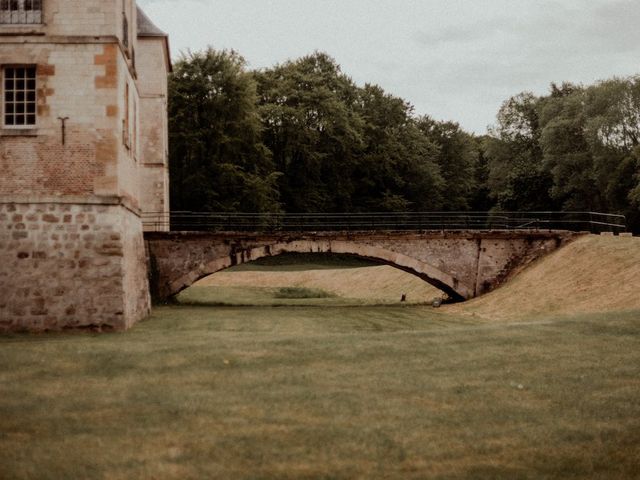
452, 59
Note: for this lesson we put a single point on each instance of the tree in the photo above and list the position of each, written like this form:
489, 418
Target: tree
574, 149
613, 132
518, 179
480, 198
457, 156
589, 137
306, 108
567, 153
634, 194
341, 147
397, 170
217, 159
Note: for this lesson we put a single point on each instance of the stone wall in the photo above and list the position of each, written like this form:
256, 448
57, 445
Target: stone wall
464, 264
154, 143
65, 265
135, 279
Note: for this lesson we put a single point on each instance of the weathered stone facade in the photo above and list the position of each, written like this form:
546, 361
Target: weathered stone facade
71, 265
73, 192
152, 80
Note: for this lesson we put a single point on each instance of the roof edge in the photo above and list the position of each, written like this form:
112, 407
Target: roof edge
146, 27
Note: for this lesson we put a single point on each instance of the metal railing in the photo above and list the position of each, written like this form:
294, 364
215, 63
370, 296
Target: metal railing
20, 12
417, 221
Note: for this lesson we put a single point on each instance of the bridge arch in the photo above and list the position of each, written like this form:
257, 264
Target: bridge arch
215, 263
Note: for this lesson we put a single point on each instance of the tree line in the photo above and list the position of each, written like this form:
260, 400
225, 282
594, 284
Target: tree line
303, 137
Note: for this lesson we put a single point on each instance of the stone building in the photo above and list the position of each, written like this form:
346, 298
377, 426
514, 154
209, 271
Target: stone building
83, 158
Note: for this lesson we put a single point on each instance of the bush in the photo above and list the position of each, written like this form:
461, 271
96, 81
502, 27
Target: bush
295, 292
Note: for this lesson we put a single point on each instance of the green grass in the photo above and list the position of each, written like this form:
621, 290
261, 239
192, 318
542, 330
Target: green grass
241, 296
306, 392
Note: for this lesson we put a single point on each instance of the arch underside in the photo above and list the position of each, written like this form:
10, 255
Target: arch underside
439, 279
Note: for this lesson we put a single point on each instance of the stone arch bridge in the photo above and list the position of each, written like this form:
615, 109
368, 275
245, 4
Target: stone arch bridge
464, 264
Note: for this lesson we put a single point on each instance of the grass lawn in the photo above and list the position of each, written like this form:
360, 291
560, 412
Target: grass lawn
324, 392
310, 279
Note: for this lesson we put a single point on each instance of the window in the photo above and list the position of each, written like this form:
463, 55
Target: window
125, 30
19, 96
125, 121
134, 142
20, 12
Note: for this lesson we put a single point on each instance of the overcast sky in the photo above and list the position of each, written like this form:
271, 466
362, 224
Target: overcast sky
452, 59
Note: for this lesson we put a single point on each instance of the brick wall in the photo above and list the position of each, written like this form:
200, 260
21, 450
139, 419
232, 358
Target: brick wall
86, 84
34, 160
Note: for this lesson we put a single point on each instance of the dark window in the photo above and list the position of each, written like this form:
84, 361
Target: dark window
32, 5
17, 12
125, 30
19, 102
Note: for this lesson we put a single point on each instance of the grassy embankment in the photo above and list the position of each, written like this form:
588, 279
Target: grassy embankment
592, 274
333, 392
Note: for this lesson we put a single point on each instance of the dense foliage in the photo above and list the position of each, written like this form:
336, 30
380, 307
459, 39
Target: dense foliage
218, 161
574, 149
303, 137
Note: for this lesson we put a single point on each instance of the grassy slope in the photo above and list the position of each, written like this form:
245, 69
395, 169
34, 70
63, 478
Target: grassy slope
592, 274
383, 392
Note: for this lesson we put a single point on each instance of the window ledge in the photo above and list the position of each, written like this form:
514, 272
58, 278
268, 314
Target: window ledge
10, 30
18, 132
